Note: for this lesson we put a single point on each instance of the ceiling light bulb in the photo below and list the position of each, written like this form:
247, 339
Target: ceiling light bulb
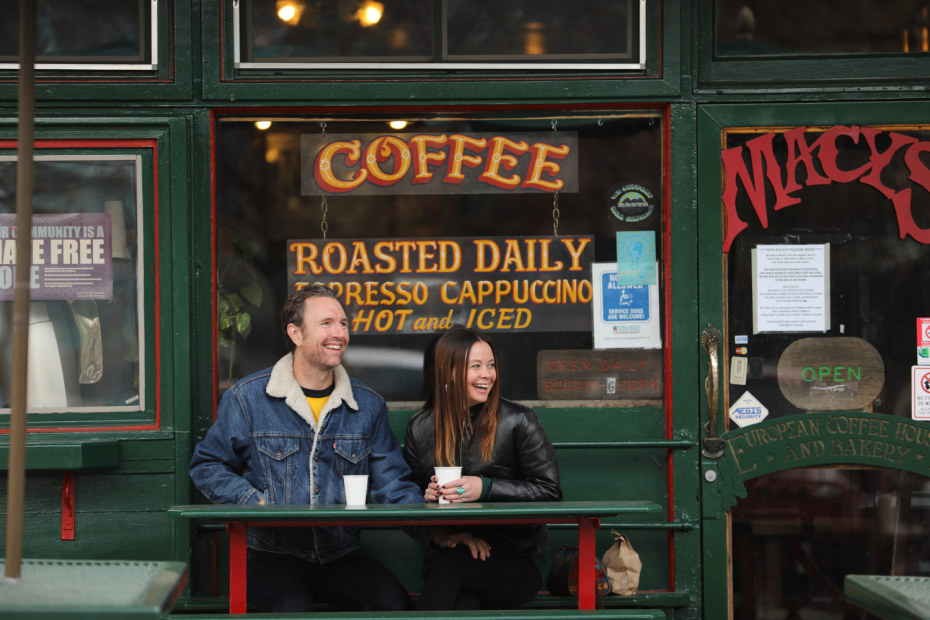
287, 12
370, 13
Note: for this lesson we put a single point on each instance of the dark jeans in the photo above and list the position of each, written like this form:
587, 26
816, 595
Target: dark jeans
455, 580
354, 582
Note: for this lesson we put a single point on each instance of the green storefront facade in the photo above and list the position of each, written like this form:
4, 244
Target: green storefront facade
765, 387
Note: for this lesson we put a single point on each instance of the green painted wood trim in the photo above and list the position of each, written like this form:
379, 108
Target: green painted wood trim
874, 72
608, 524
543, 601
714, 534
171, 81
660, 80
682, 444
685, 553
70, 455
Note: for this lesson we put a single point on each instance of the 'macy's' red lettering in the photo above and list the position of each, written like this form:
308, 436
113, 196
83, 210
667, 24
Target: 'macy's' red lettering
822, 151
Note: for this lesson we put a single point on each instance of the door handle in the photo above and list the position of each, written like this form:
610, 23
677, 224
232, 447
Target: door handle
710, 341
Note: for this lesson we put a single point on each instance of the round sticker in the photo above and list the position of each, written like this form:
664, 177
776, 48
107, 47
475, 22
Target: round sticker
631, 203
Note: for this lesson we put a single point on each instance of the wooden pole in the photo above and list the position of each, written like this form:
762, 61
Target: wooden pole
16, 474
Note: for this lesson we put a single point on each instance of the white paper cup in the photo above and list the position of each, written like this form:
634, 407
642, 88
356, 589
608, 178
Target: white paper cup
447, 474
356, 489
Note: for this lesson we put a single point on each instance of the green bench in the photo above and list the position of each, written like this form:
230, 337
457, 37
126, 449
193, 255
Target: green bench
506, 614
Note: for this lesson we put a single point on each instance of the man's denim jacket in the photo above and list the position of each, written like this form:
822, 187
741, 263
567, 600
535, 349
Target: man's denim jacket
265, 444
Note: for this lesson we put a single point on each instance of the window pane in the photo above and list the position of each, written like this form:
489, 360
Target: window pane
539, 29
84, 330
261, 210
82, 31
430, 32
797, 27
336, 31
875, 248
798, 533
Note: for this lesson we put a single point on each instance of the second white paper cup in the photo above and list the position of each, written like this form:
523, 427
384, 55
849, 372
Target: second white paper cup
356, 489
447, 474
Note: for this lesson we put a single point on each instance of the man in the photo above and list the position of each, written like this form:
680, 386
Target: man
287, 435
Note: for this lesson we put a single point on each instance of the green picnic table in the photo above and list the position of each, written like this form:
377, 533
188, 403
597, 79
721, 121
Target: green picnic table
890, 597
92, 589
238, 518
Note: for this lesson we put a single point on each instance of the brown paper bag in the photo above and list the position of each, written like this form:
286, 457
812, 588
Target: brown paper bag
623, 565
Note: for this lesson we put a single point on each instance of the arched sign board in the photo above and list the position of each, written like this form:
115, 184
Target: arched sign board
829, 438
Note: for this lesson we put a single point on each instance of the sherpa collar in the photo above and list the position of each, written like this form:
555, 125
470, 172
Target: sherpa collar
282, 384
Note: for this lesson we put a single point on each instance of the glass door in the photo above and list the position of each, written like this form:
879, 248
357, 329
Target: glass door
815, 238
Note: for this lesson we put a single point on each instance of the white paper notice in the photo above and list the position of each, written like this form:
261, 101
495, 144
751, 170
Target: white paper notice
791, 288
625, 317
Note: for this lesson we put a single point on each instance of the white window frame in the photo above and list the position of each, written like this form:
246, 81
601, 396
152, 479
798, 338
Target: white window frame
92, 66
140, 283
493, 66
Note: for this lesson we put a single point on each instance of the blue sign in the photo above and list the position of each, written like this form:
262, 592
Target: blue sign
623, 303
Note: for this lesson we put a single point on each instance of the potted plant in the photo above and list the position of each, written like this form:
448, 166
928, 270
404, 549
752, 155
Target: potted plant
238, 293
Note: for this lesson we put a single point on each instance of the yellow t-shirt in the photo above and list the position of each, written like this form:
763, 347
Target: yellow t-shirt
316, 399
316, 406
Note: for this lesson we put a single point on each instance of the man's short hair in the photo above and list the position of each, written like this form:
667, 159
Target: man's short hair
293, 309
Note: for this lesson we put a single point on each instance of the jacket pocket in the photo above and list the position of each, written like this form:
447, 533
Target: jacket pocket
352, 454
279, 462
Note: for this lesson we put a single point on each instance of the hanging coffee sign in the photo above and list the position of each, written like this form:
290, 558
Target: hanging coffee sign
472, 163
509, 284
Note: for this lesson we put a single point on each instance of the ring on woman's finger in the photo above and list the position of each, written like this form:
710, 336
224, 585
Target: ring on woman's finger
460, 490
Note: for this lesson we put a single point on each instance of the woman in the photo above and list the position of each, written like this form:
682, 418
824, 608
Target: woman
505, 455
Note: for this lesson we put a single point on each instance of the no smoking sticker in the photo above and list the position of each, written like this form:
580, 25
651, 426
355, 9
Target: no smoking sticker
923, 341
920, 392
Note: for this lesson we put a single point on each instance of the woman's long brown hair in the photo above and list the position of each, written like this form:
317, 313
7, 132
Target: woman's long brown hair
448, 398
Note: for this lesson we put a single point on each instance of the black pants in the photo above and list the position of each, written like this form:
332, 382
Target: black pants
354, 582
455, 580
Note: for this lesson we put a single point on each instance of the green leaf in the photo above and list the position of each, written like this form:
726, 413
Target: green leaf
253, 294
244, 324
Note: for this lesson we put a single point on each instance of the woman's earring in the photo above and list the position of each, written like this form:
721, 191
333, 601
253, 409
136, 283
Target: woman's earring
447, 387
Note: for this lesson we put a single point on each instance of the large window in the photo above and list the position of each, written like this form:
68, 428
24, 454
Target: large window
86, 334
96, 35
449, 221
826, 27
833, 275
455, 34
822, 44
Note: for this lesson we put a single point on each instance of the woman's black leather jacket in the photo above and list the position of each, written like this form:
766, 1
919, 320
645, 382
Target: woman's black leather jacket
523, 468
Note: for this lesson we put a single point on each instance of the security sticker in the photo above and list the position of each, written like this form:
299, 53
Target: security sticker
747, 410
